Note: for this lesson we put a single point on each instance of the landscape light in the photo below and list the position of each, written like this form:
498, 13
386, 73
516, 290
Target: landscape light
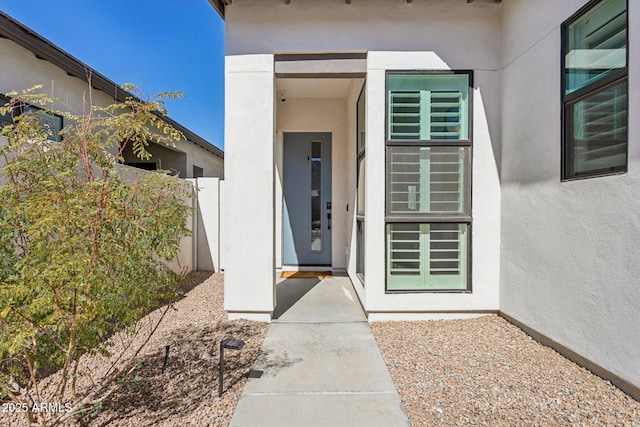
232, 344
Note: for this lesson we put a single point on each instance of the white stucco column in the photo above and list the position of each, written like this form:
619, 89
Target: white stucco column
249, 187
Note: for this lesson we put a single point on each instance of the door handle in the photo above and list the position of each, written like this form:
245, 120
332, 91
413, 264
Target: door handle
329, 220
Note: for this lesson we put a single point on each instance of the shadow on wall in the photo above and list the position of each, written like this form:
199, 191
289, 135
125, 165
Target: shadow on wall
489, 117
205, 260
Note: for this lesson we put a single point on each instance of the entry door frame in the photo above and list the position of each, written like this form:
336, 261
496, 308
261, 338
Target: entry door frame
297, 203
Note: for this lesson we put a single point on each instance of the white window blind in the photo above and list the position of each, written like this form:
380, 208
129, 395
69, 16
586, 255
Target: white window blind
600, 128
405, 115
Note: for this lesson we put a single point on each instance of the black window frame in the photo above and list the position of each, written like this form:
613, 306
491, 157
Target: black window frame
568, 100
20, 109
430, 218
197, 171
360, 218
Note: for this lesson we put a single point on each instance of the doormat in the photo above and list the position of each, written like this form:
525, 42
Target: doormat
307, 275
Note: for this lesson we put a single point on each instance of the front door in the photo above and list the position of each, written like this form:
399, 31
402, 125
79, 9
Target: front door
307, 199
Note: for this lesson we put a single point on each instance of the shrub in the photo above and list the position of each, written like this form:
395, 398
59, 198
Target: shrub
83, 251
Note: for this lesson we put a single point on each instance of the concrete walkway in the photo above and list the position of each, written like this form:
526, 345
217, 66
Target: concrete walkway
319, 364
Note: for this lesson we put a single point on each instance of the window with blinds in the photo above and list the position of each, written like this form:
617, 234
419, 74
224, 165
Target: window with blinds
596, 91
596, 44
427, 256
428, 107
428, 181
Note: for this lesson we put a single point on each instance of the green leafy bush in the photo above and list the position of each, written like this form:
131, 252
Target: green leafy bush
83, 251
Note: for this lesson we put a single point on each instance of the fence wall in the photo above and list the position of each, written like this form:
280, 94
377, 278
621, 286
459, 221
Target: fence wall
207, 220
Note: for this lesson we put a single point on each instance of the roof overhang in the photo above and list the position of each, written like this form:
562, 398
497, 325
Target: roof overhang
219, 5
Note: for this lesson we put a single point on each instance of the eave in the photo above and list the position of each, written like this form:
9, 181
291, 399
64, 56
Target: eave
219, 5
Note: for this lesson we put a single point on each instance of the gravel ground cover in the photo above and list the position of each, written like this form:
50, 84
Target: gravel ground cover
486, 371
186, 394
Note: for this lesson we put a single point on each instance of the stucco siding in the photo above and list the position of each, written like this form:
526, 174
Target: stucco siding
570, 258
249, 202
351, 158
456, 30
21, 70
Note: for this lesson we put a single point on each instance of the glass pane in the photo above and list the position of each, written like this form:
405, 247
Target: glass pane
598, 131
52, 123
444, 250
445, 114
427, 256
360, 248
5, 119
427, 180
316, 189
361, 186
361, 118
428, 106
596, 44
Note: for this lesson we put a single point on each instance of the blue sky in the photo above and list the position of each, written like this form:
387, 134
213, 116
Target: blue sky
158, 45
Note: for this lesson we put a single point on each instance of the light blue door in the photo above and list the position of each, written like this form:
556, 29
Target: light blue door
307, 199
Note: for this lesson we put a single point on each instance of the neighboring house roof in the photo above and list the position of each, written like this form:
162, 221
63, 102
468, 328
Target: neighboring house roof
219, 5
46, 50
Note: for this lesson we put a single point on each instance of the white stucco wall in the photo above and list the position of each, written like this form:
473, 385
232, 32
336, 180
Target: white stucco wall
249, 207
570, 252
208, 224
212, 165
461, 33
351, 159
21, 70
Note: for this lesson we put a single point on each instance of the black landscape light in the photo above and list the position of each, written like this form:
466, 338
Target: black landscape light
232, 344
166, 357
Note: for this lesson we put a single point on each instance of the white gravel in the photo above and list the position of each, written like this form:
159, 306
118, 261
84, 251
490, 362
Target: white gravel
486, 371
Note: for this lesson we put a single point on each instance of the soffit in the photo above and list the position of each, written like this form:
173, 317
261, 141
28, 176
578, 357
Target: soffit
291, 88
